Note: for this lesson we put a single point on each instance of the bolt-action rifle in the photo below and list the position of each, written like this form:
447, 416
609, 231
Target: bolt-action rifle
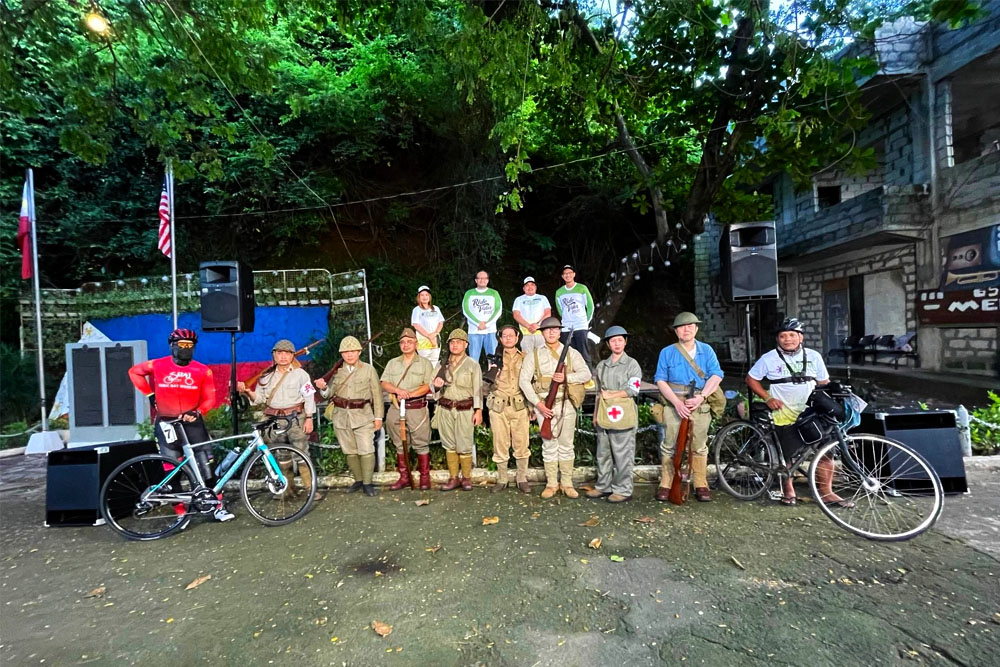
340, 362
681, 485
295, 363
550, 398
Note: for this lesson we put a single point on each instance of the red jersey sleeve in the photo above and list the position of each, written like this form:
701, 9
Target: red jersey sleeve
207, 393
139, 375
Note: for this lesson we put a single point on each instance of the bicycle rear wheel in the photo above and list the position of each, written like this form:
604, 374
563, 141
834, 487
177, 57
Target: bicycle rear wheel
269, 501
128, 514
744, 461
897, 497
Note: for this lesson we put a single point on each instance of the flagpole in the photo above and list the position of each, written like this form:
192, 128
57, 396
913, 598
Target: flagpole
38, 294
173, 241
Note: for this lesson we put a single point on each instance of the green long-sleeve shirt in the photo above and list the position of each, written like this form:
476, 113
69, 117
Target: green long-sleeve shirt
576, 306
482, 306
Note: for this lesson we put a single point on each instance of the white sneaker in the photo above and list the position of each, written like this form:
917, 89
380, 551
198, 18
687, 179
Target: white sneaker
222, 515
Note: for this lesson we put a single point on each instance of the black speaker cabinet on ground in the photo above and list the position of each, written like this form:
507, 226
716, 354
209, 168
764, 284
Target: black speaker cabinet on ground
227, 300
76, 475
748, 252
932, 433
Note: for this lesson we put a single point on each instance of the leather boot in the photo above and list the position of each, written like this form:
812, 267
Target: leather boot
354, 463
522, 476
368, 473
551, 479
404, 473
453, 481
501, 478
424, 463
566, 481
466, 461
699, 472
307, 482
289, 473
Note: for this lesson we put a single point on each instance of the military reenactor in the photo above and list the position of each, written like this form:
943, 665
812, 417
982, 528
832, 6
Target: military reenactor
616, 419
538, 371
509, 414
356, 394
285, 390
407, 379
686, 361
459, 389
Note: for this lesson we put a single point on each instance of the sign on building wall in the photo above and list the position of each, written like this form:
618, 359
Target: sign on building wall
969, 291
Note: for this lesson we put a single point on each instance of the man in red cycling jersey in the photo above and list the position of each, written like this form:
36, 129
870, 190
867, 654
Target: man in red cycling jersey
179, 387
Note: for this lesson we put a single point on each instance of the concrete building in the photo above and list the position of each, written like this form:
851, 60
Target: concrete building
912, 246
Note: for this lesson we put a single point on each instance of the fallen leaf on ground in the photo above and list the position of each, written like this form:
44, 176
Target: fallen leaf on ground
616, 558
97, 592
645, 519
595, 543
381, 629
422, 501
591, 522
737, 563
434, 549
378, 573
487, 520
322, 620
198, 582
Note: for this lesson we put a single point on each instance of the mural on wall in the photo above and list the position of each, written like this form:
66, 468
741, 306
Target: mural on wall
969, 292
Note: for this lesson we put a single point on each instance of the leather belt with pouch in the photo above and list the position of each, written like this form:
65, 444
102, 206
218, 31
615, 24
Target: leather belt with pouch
464, 404
350, 403
284, 412
497, 402
416, 403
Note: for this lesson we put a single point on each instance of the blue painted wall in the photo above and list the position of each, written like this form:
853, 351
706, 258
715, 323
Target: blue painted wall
300, 324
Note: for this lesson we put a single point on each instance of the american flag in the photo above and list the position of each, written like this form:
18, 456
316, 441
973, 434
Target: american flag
165, 243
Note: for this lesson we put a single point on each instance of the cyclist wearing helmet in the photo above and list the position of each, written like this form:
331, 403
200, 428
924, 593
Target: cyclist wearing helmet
793, 371
179, 387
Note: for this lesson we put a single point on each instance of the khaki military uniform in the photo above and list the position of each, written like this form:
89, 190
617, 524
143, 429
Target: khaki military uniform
357, 394
509, 413
418, 424
289, 394
557, 453
456, 402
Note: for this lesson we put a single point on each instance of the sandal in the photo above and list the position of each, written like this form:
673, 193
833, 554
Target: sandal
789, 500
840, 502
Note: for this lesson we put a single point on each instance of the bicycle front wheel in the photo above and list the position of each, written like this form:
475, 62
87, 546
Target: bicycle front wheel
896, 497
744, 461
125, 510
268, 500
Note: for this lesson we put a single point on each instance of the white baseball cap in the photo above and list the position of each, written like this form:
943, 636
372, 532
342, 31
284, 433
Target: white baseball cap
527, 280
423, 288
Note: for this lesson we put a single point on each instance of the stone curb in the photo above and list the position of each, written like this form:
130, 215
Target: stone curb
16, 451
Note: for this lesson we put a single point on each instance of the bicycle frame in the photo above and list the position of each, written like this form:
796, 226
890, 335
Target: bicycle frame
256, 445
845, 455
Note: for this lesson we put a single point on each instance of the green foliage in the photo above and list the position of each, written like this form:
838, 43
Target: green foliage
16, 435
986, 440
18, 386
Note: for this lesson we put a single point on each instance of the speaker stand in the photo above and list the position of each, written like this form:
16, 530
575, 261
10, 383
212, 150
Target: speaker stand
746, 328
234, 409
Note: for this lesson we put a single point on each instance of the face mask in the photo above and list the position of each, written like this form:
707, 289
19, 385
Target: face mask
182, 355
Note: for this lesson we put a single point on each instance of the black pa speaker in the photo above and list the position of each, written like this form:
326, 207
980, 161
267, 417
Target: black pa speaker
227, 300
931, 433
75, 477
749, 256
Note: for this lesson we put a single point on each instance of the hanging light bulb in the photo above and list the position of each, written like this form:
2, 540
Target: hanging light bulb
608, 302
666, 262
684, 246
650, 268
96, 22
635, 255
677, 226
670, 242
624, 259
120, 283
619, 291
637, 276
143, 281
164, 278
697, 237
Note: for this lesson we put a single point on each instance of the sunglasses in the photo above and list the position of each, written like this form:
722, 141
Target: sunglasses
185, 344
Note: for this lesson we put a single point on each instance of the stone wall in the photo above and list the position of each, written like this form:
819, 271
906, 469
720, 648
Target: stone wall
970, 349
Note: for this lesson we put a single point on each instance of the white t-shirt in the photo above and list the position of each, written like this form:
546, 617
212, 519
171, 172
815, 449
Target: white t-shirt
792, 394
531, 308
428, 318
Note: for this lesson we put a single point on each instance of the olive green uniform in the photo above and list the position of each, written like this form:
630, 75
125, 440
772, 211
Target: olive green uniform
290, 394
509, 414
418, 424
463, 381
355, 426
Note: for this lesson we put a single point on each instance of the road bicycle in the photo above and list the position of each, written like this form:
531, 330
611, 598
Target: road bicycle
890, 492
153, 496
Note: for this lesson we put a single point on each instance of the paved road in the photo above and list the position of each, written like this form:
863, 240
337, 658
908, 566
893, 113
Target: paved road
526, 591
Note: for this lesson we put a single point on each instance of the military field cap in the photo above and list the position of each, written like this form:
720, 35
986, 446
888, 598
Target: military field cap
408, 333
568, 266
508, 326
458, 334
615, 331
550, 322
423, 288
350, 344
685, 318
529, 279
283, 345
